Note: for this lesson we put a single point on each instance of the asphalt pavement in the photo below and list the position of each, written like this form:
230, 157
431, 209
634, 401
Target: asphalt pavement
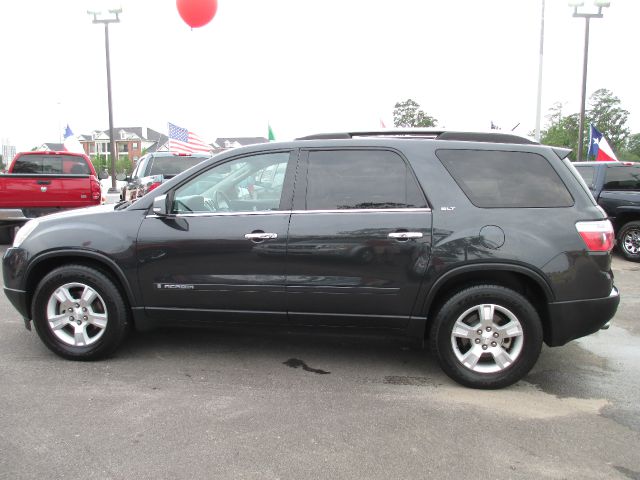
220, 404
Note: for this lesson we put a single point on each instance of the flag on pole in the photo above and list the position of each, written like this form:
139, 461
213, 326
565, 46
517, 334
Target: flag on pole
599, 148
182, 140
71, 142
271, 136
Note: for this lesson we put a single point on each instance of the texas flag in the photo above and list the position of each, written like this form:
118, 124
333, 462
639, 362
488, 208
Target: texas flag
71, 142
599, 147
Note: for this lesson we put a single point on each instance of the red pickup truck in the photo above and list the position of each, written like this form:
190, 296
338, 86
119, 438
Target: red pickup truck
38, 183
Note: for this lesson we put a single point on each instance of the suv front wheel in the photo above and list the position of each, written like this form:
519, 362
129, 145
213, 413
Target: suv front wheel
79, 313
486, 336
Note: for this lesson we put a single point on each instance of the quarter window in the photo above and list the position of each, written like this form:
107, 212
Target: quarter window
248, 184
498, 179
588, 174
360, 179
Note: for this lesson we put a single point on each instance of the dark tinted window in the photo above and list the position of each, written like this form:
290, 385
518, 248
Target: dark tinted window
622, 178
343, 179
588, 173
170, 166
506, 179
51, 164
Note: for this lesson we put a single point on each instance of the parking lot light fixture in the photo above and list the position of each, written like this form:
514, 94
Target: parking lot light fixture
576, 4
106, 21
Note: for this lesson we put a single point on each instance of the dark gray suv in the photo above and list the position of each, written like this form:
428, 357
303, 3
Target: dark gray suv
482, 245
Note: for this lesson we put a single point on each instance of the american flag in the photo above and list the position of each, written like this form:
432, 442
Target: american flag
182, 140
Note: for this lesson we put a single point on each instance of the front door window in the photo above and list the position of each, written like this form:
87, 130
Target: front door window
248, 184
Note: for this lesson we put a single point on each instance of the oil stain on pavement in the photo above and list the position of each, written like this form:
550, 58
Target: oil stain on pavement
295, 363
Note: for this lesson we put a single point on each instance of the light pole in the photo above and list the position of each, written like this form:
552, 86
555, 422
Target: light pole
539, 104
112, 138
587, 17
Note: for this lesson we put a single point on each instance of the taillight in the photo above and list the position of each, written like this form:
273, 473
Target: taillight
96, 191
597, 235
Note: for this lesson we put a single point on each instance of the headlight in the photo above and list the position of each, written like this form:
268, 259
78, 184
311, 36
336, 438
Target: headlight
24, 232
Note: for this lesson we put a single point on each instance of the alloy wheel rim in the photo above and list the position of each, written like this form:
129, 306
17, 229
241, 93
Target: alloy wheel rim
631, 241
77, 314
487, 338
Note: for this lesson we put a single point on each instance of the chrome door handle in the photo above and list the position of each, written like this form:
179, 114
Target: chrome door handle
260, 236
405, 235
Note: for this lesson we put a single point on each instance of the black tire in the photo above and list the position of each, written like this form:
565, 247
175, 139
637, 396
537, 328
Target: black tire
528, 343
6, 235
629, 241
108, 303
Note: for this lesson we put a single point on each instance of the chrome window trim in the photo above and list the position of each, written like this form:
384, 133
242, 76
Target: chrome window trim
365, 210
296, 212
221, 214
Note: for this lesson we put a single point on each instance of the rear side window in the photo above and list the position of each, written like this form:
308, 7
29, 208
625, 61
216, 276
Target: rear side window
622, 178
51, 164
360, 179
498, 179
588, 174
172, 165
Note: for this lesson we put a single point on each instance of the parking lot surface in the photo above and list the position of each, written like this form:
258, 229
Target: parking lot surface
282, 405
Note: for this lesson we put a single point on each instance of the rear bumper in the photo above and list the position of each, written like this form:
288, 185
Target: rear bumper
575, 319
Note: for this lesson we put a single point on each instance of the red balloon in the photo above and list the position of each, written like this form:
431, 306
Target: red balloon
197, 13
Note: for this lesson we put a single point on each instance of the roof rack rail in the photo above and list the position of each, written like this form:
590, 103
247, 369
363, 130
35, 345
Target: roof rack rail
425, 134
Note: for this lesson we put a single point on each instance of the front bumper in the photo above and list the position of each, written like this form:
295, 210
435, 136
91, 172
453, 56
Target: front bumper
18, 299
575, 319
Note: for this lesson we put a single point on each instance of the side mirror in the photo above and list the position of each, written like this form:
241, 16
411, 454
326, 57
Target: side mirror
160, 206
103, 175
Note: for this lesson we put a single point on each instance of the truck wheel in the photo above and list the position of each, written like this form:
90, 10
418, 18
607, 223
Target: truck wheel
629, 241
486, 336
79, 313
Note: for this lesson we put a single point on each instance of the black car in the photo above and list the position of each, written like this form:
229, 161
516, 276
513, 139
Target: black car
154, 168
616, 188
484, 245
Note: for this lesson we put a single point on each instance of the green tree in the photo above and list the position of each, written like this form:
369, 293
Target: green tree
562, 130
604, 113
608, 117
124, 165
632, 149
99, 162
409, 114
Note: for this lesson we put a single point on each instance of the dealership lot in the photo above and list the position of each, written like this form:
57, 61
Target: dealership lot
229, 404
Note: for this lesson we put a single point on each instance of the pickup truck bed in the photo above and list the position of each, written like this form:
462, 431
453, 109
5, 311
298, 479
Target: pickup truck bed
39, 183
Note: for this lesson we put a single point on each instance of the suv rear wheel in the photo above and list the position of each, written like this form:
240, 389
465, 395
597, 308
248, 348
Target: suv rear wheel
629, 241
79, 313
486, 336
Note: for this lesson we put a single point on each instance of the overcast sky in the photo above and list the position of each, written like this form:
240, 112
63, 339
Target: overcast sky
305, 66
